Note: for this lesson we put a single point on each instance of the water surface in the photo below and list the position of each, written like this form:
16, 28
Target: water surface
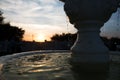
50, 66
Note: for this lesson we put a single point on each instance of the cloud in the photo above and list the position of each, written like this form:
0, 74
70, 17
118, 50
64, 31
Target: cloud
47, 12
33, 9
43, 12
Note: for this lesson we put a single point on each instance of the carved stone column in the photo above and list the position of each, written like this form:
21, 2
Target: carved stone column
89, 52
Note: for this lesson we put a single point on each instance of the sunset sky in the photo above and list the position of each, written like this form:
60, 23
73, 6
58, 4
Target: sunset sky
42, 18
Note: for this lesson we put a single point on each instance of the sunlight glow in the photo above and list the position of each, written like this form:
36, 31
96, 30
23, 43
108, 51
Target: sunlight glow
40, 38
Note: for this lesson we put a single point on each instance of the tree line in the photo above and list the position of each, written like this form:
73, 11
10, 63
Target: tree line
64, 37
113, 43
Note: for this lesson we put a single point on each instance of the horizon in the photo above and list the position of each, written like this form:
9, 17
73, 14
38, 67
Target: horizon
42, 19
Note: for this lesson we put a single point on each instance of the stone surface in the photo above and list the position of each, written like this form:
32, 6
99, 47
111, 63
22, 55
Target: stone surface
88, 16
85, 10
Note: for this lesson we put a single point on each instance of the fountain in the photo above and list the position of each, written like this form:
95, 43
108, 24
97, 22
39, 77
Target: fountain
89, 52
89, 59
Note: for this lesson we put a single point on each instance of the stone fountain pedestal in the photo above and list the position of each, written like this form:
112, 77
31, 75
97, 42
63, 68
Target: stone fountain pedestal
89, 53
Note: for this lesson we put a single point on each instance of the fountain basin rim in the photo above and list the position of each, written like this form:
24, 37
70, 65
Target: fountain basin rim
5, 58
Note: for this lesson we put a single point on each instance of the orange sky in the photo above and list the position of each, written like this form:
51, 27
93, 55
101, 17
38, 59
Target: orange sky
38, 37
40, 33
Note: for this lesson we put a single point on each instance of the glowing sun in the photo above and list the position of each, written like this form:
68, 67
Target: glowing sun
40, 38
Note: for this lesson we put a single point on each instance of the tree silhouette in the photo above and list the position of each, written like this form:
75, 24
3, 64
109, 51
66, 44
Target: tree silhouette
10, 37
1, 17
8, 32
64, 37
111, 43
